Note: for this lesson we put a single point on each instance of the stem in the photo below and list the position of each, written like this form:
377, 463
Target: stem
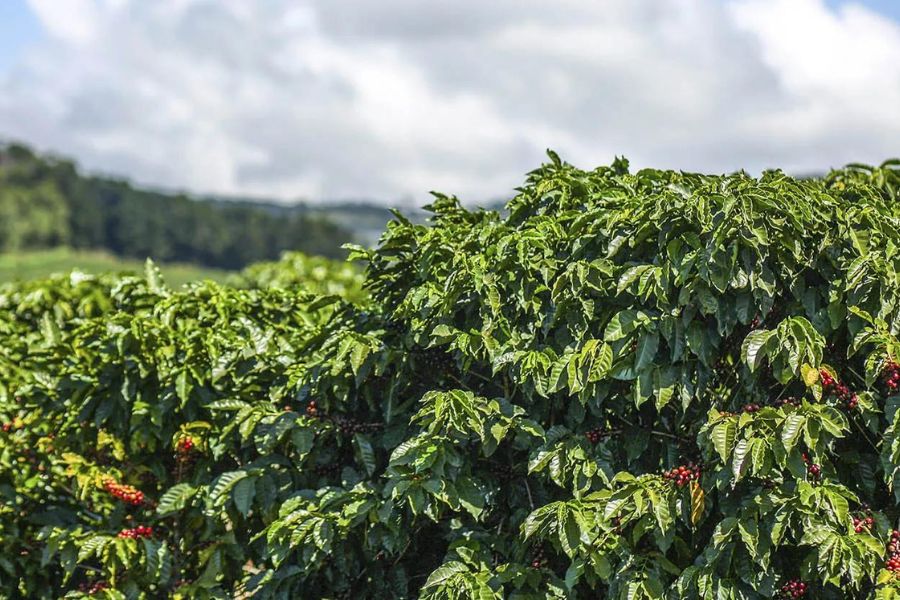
457, 380
402, 552
652, 431
858, 376
88, 568
528, 491
865, 434
479, 376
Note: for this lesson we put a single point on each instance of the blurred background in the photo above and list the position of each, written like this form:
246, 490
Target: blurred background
209, 134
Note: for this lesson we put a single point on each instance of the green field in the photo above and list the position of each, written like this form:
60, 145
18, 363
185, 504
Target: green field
41, 263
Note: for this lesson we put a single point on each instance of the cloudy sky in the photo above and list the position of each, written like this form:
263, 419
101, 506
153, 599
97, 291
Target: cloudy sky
329, 99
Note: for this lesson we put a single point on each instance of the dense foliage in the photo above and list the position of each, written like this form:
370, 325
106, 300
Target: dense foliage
647, 385
46, 202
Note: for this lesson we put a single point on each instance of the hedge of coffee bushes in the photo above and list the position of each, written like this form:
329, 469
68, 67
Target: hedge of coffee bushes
631, 385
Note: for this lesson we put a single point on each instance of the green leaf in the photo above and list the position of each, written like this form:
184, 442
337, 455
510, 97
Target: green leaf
791, 430
623, 323
366, 452
445, 572
739, 460
646, 351
175, 498
223, 485
753, 349
243, 493
723, 438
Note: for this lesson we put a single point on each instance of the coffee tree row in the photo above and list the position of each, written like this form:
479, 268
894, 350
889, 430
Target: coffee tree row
630, 385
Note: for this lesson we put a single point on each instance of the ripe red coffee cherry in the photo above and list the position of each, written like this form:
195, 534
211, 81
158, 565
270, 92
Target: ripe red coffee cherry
892, 561
794, 588
594, 435
833, 387
185, 446
861, 524
141, 531
125, 493
891, 376
312, 409
684, 474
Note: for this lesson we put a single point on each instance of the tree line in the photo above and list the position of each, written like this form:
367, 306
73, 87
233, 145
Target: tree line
46, 202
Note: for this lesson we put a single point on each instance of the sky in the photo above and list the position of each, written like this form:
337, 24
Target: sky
352, 99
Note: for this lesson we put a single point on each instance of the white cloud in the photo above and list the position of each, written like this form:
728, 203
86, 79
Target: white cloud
389, 99
75, 21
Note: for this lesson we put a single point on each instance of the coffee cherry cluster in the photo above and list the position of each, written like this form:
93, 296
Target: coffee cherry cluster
350, 426
502, 473
125, 493
812, 469
792, 589
861, 524
891, 376
892, 563
436, 360
141, 531
93, 588
327, 470
184, 446
789, 401
538, 558
594, 435
837, 389
751, 408
6, 427
684, 474
721, 369
312, 410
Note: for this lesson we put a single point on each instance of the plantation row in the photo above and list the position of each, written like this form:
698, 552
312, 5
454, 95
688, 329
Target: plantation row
631, 385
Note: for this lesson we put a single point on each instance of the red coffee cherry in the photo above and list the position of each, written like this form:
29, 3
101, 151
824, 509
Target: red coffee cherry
863, 523
594, 435
125, 493
684, 474
794, 588
890, 374
184, 446
141, 531
836, 389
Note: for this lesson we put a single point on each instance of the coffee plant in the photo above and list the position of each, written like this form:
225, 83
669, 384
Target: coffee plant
628, 385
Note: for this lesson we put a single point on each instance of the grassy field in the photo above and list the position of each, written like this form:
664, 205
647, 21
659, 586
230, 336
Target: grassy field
40, 263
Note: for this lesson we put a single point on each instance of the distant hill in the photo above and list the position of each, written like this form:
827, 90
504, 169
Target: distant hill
364, 219
46, 202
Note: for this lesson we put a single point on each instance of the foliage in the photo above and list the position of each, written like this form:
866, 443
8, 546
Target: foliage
46, 202
313, 274
32, 215
504, 416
